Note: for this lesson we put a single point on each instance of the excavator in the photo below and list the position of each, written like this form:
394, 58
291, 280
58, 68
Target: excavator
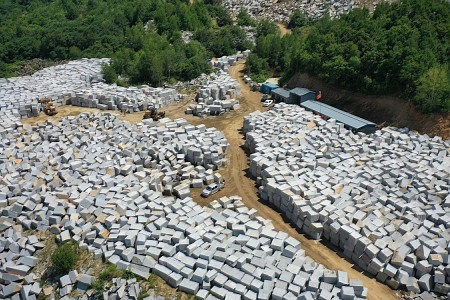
48, 107
154, 114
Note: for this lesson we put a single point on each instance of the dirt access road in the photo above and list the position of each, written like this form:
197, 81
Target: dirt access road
239, 183
237, 180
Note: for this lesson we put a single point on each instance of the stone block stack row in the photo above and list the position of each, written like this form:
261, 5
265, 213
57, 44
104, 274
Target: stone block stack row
383, 199
216, 96
225, 62
100, 183
77, 83
218, 91
55, 82
133, 99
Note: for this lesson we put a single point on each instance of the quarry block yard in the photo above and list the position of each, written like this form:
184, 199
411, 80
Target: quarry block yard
127, 190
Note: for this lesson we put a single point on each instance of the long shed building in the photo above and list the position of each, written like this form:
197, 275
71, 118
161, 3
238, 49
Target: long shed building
350, 121
306, 99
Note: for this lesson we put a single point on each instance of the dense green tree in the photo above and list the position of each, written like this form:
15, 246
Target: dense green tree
266, 27
394, 50
225, 41
143, 37
297, 19
244, 19
433, 90
220, 14
109, 74
257, 68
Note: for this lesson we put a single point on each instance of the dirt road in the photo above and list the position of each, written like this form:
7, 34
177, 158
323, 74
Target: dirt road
239, 183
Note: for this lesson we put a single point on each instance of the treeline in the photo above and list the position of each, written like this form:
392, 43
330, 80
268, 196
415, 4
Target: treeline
402, 48
143, 37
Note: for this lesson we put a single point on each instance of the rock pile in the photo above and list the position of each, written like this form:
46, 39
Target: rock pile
218, 91
100, 184
16, 259
225, 62
132, 99
125, 289
77, 83
281, 11
216, 96
186, 36
383, 199
55, 82
75, 281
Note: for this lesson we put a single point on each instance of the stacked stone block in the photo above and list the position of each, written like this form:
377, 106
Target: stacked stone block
98, 185
383, 199
216, 96
77, 83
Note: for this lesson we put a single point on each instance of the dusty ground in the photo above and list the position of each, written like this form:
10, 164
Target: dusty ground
238, 181
283, 29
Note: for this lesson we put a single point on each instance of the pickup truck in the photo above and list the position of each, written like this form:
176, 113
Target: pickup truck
212, 189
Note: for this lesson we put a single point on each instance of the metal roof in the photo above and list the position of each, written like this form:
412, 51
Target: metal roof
282, 92
337, 114
301, 91
269, 84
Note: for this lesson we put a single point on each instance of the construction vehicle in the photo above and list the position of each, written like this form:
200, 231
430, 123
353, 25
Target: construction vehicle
154, 114
147, 114
48, 107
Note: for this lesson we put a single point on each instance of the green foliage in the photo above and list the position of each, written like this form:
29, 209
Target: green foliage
143, 295
396, 50
257, 68
142, 37
225, 41
297, 19
220, 14
266, 27
244, 19
109, 74
433, 90
108, 273
65, 257
152, 281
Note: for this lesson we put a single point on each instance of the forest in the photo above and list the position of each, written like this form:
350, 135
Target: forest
402, 49
142, 37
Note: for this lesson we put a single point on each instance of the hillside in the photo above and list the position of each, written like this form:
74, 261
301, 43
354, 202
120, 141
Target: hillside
381, 109
281, 10
400, 49
145, 39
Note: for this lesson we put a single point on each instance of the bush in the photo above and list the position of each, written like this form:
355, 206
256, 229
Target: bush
65, 257
266, 27
298, 19
108, 273
244, 19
